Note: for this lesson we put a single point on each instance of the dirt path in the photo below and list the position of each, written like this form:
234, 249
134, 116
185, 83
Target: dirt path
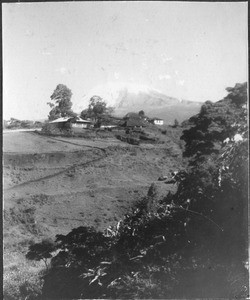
31, 142
73, 143
64, 170
55, 174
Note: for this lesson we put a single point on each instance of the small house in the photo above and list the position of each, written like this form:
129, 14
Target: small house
109, 127
156, 121
74, 123
77, 122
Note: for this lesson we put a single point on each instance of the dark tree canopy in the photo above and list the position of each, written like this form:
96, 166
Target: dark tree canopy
238, 94
176, 123
41, 251
97, 106
215, 122
84, 114
97, 110
141, 113
61, 103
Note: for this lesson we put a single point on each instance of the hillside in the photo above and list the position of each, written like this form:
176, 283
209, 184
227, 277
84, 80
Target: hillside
52, 185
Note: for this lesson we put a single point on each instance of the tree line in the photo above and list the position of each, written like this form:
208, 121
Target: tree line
61, 105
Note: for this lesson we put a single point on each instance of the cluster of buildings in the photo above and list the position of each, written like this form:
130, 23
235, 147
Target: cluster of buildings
131, 120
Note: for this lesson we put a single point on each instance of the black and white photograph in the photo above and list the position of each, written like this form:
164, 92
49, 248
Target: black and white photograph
125, 155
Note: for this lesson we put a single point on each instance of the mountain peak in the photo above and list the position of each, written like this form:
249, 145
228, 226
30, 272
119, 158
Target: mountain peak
125, 97
112, 91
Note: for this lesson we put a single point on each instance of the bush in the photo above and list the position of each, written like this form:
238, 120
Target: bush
54, 130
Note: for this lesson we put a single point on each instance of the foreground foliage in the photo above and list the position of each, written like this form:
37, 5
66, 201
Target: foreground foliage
194, 244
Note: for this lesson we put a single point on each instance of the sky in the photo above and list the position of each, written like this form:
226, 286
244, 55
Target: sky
188, 50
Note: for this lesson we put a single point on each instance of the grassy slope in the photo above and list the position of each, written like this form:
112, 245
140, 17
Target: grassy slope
39, 205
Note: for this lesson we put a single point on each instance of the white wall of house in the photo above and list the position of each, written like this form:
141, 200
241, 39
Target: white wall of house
108, 126
80, 125
158, 122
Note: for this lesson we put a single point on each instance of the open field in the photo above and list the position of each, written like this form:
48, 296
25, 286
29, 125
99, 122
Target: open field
83, 181
52, 185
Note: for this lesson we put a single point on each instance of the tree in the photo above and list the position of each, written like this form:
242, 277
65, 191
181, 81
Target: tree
97, 107
215, 122
109, 110
216, 182
176, 123
41, 251
97, 110
238, 93
84, 114
54, 113
62, 106
141, 113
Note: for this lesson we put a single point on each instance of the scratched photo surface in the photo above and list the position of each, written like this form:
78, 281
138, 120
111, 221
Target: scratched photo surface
125, 150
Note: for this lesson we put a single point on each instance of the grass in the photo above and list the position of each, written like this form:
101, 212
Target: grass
22, 278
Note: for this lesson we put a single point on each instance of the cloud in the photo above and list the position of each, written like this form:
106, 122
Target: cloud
114, 18
181, 82
116, 75
166, 58
46, 52
164, 76
63, 70
28, 32
144, 66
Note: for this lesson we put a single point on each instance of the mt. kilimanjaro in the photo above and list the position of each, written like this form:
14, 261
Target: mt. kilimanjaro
127, 97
